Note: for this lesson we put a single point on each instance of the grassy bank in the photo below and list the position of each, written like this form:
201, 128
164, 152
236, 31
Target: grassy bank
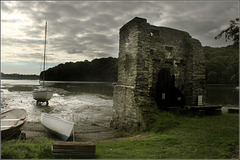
39, 148
179, 137
171, 137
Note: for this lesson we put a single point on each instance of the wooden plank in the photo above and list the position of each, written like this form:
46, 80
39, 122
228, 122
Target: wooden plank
84, 155
206, 107
79, 153
74, 147
64, 143
74, 155
85, 149
214, 112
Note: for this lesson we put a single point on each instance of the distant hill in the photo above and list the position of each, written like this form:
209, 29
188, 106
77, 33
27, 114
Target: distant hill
222, 67
101, 70
19, 76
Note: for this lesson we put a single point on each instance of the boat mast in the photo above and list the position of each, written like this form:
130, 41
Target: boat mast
44, 54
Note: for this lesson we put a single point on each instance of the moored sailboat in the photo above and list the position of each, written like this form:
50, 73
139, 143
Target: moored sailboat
43, 94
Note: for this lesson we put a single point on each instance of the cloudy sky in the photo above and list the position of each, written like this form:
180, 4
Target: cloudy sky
84, 30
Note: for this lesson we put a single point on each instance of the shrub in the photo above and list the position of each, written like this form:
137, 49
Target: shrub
30, 149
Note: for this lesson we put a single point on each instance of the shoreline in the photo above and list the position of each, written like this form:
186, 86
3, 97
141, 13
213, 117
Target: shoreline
83, 132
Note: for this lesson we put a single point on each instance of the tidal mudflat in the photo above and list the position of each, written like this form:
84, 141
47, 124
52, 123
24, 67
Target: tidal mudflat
91, 112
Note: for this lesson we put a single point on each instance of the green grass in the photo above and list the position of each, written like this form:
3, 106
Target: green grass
31, 149
211, 137
171, 136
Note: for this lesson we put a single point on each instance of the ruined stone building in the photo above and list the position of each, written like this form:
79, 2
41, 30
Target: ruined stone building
157, 66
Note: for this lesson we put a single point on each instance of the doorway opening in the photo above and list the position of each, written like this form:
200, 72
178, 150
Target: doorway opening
167, 95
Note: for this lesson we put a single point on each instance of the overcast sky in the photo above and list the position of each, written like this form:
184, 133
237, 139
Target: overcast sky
79, 30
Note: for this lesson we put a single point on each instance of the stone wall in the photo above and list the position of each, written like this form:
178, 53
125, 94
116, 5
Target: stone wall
158, 66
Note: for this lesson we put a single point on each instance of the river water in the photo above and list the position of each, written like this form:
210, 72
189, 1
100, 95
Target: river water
84, 102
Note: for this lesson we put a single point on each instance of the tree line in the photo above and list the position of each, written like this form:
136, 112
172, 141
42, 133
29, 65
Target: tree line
222, 67
101, 70
19, 76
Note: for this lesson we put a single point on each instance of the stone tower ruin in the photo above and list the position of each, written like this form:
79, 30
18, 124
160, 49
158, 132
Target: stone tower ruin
157, 66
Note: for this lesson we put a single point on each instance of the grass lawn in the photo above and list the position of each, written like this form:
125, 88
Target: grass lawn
39, 148
211, 137
171, 136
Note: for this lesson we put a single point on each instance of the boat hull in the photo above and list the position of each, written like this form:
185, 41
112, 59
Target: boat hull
11, 122
63, 129
42, 95
10, 132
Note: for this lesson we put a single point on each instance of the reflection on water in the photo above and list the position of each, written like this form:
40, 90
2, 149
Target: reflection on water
222, 94
83, 87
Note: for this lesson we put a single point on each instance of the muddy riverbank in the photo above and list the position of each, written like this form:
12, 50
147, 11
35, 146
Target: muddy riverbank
91, 112
83, 132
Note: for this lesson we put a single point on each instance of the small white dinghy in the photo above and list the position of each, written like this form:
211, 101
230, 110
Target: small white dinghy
12, 121
57, 126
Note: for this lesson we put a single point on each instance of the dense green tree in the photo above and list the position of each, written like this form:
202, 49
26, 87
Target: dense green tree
222, 65
103, 69
19, 76
211, 76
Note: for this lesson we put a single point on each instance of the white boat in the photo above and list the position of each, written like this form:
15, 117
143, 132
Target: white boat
11, 122
60, 127
43, 94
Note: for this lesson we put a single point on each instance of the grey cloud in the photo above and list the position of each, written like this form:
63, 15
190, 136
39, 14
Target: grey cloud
5, 7
103, 55
200, 18
96, 38
14, 41
74, 51
82, 27
67, 44
32, 55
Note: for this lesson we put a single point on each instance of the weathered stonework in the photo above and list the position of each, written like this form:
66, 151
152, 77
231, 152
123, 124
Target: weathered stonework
158, 66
